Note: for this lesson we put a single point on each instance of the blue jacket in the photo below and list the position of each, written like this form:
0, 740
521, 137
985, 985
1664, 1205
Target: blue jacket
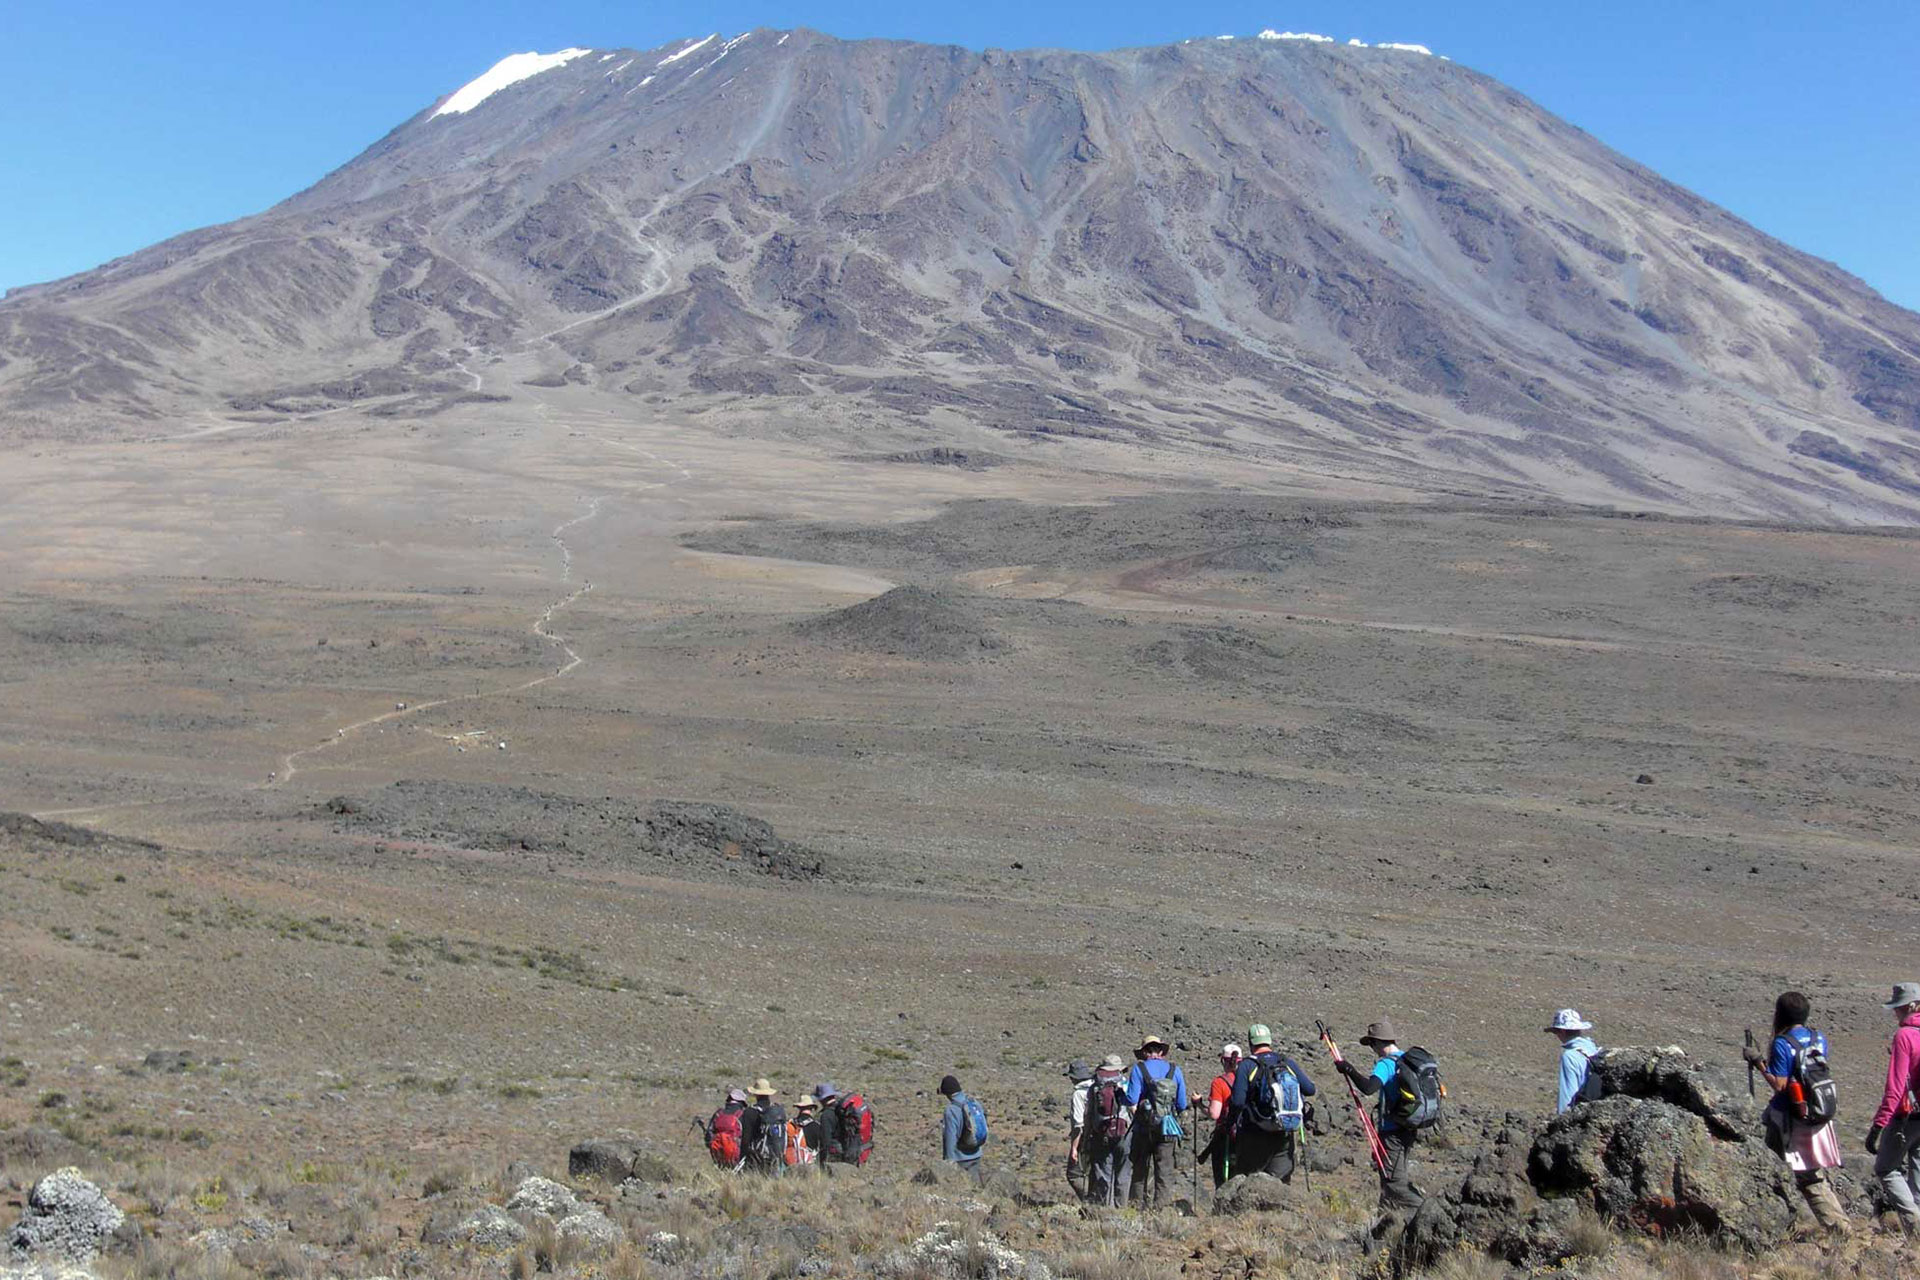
1576, 1060
951, 1127
1144, 1071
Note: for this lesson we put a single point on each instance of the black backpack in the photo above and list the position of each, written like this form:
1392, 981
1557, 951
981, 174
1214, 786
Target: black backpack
769, 1145
1591, 1087
1414, 1094
1819, 1095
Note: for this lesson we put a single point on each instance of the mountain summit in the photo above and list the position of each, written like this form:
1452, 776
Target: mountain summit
1330, 258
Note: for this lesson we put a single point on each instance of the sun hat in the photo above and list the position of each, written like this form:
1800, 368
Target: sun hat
1151, 1043
736, 1095
807, 1100
1380, 1032
1257, 1035
1231, 1050
1904, 993
1113, 1062
1570, 1020
763, 1088
1078, 1070
825, 1091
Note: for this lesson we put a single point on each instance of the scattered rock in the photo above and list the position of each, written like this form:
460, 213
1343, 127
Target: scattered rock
1661, 1169
1254, 1193
592, 1229
68, 1219
603, 1160
171, 1062
343, 805
490, 1227
665, 1247
1644, 780
688, 831
544, 1196
949, 1251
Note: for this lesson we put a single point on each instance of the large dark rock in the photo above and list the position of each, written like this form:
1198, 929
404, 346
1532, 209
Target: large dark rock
615, 1161
1654, 1166
1255, 1193
1670, 1075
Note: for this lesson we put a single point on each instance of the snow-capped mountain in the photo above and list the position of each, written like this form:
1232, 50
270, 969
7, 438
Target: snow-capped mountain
1334, 257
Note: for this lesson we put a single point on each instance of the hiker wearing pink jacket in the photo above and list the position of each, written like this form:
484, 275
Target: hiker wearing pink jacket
1894, 1140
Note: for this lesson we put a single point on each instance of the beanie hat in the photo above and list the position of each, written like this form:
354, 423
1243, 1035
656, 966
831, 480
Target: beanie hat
948, 1086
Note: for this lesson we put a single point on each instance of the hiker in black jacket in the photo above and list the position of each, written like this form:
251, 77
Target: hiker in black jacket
1257, 1147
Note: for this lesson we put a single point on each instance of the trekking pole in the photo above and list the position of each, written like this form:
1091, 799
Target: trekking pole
1750, 1090
1376, 1149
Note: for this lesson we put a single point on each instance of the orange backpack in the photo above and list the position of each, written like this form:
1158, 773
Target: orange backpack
798, 1152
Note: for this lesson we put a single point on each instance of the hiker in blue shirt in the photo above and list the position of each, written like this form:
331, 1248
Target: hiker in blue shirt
963, 1128
1398, 1195
1809, 1149
1156, 1123
1577, 1052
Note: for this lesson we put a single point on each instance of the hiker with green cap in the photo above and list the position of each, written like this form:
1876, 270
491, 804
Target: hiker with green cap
1398, 1195
1267, 1108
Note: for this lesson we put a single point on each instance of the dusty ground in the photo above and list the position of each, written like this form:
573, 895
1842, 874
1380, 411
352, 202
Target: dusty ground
1123, 762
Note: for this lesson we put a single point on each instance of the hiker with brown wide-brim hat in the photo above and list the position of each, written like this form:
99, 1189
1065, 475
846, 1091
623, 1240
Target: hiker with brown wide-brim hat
763, 1129
1398, 1196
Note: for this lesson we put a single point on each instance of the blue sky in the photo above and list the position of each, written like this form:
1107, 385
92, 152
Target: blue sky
123, 123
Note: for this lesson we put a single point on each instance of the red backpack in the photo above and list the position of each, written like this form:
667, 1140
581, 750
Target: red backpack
1107, 1116
723, 1138
856, 1130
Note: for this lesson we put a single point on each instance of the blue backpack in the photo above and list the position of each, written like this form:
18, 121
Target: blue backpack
1274, 1102
973, 1126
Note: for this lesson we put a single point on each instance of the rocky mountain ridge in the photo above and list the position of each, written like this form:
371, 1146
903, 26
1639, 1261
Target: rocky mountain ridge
1329, 260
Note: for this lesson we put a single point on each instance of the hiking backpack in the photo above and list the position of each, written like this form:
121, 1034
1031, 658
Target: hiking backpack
1590, 1084
723, 1139
797, 1151
855, 1131
1819, 1100
973, 1126
1414, 1094
768, 1148
1274, 1101
1107, 1117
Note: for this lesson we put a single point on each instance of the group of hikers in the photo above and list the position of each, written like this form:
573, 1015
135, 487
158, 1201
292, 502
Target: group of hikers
1125, 1120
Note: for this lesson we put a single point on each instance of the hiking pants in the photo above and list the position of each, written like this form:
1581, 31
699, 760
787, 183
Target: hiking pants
1223, 1163
1110, 1174
1152, 1163
1818, 1192
1898, 1168
1077, 1172
1259, 1151
1396, 1180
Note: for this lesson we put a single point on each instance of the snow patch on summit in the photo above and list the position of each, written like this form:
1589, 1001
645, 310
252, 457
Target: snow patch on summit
672, 58
1406, 48
508, 71
1311, 36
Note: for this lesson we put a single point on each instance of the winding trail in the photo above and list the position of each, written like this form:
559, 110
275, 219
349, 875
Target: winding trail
542, 627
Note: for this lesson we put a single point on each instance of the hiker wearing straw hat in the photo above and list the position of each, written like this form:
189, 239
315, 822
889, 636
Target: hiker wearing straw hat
1157, 1093
763, 1129
1577, 1052
1398, 1195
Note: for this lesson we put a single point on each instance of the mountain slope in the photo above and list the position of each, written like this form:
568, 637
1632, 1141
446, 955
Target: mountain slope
1343, 260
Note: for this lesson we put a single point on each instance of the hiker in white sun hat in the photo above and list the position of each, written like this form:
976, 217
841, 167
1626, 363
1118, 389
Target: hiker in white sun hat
1577, 1052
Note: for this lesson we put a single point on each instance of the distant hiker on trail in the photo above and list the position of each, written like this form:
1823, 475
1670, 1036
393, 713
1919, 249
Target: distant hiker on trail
1219, 1110
1577, 1052
801, 1151
1408, 1103
963, 1127
1157, 1093
1894, 1140
1105, 1147
1080, 1079
1799, 1116
763, 1130
1267, 1108
846, 1125
724, 1130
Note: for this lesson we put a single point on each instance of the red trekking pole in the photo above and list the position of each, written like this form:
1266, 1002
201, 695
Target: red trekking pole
1375, 1148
